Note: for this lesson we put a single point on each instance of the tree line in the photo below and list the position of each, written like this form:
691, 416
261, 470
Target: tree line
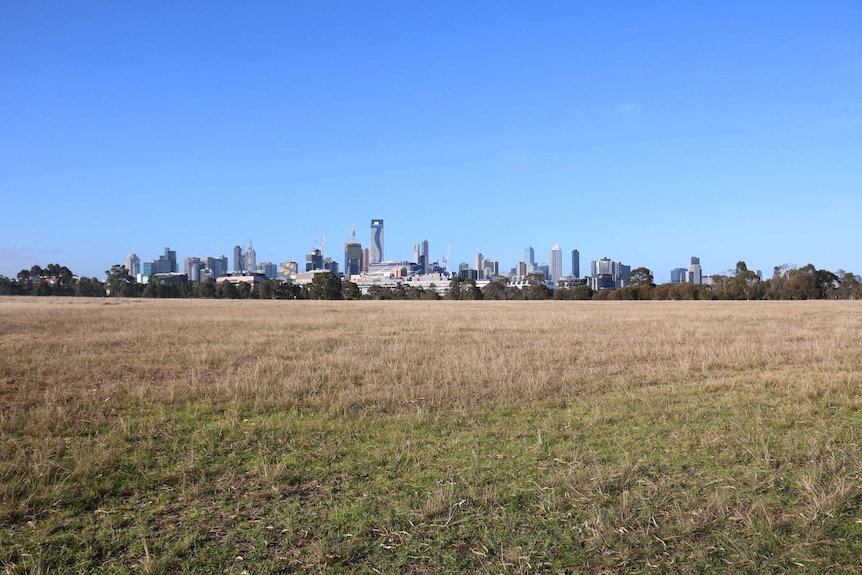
787, 283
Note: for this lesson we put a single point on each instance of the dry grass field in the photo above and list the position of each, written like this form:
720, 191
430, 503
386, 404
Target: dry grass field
195, 436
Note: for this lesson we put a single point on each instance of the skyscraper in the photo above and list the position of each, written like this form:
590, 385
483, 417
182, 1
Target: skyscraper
250, 258
166, 263
133, 264
529, 256
375, 249
352, 257
237, 259
555, 269
217, 266
576, 264
423, 258
479, 260
694, 274
192, 267
314, 260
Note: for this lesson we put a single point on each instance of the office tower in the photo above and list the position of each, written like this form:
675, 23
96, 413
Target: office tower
677, 275
555, 268
237, 259
375, 249
192, 268
479, 266
521, 269
166, 263
543, 269
490, 268
602, 267
576, 264
330, 266
314, 260
621, 273
423, 258
217, 266
147, 270
352, 257
269, 269
133, 265
288, 269
694, 274
530, 257
250, 259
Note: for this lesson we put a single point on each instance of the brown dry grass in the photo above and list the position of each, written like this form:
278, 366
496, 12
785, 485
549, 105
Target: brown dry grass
648, 435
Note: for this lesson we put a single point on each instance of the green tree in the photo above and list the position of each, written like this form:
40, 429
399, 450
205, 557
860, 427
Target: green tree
119, 283
349, 290
206, 289
469, 290
744, 283
89, 287
226, 290
243, 290
641, 277
800, 283
325, 285
454, 292
536, 289
378, 292
850, 287
494, 290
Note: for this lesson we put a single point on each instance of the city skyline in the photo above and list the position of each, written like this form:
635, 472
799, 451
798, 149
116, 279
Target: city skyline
641, 132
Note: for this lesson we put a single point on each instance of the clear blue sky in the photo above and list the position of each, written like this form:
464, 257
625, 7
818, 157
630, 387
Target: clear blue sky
647, 132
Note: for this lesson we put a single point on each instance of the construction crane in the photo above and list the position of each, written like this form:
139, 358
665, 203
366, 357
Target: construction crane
446, 257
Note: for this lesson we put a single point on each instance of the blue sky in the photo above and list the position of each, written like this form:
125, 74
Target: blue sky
647, 132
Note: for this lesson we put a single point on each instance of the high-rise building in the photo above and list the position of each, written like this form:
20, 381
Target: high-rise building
423, 257
694, 274
133, 264
602, 267
677, 275
269, 269
250, 258
330, 265
352, 257
167, 263
621, 273
217, 266
530, 257
147, 270
192, 268
314, 260
479, 265
576, 264
375, 248
490, 268
288, 269
238, 262
555, 268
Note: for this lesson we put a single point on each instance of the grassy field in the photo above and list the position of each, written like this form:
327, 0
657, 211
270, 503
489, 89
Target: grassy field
194, 436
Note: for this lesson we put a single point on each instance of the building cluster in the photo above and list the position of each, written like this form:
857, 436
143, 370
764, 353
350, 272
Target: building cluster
367, 266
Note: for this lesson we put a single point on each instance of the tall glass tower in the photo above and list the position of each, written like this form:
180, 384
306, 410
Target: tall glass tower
375, 248
556, 267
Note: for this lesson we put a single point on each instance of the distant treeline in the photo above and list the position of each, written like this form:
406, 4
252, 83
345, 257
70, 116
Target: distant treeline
786, 283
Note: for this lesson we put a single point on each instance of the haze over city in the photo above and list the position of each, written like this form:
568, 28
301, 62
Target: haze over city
646, 134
